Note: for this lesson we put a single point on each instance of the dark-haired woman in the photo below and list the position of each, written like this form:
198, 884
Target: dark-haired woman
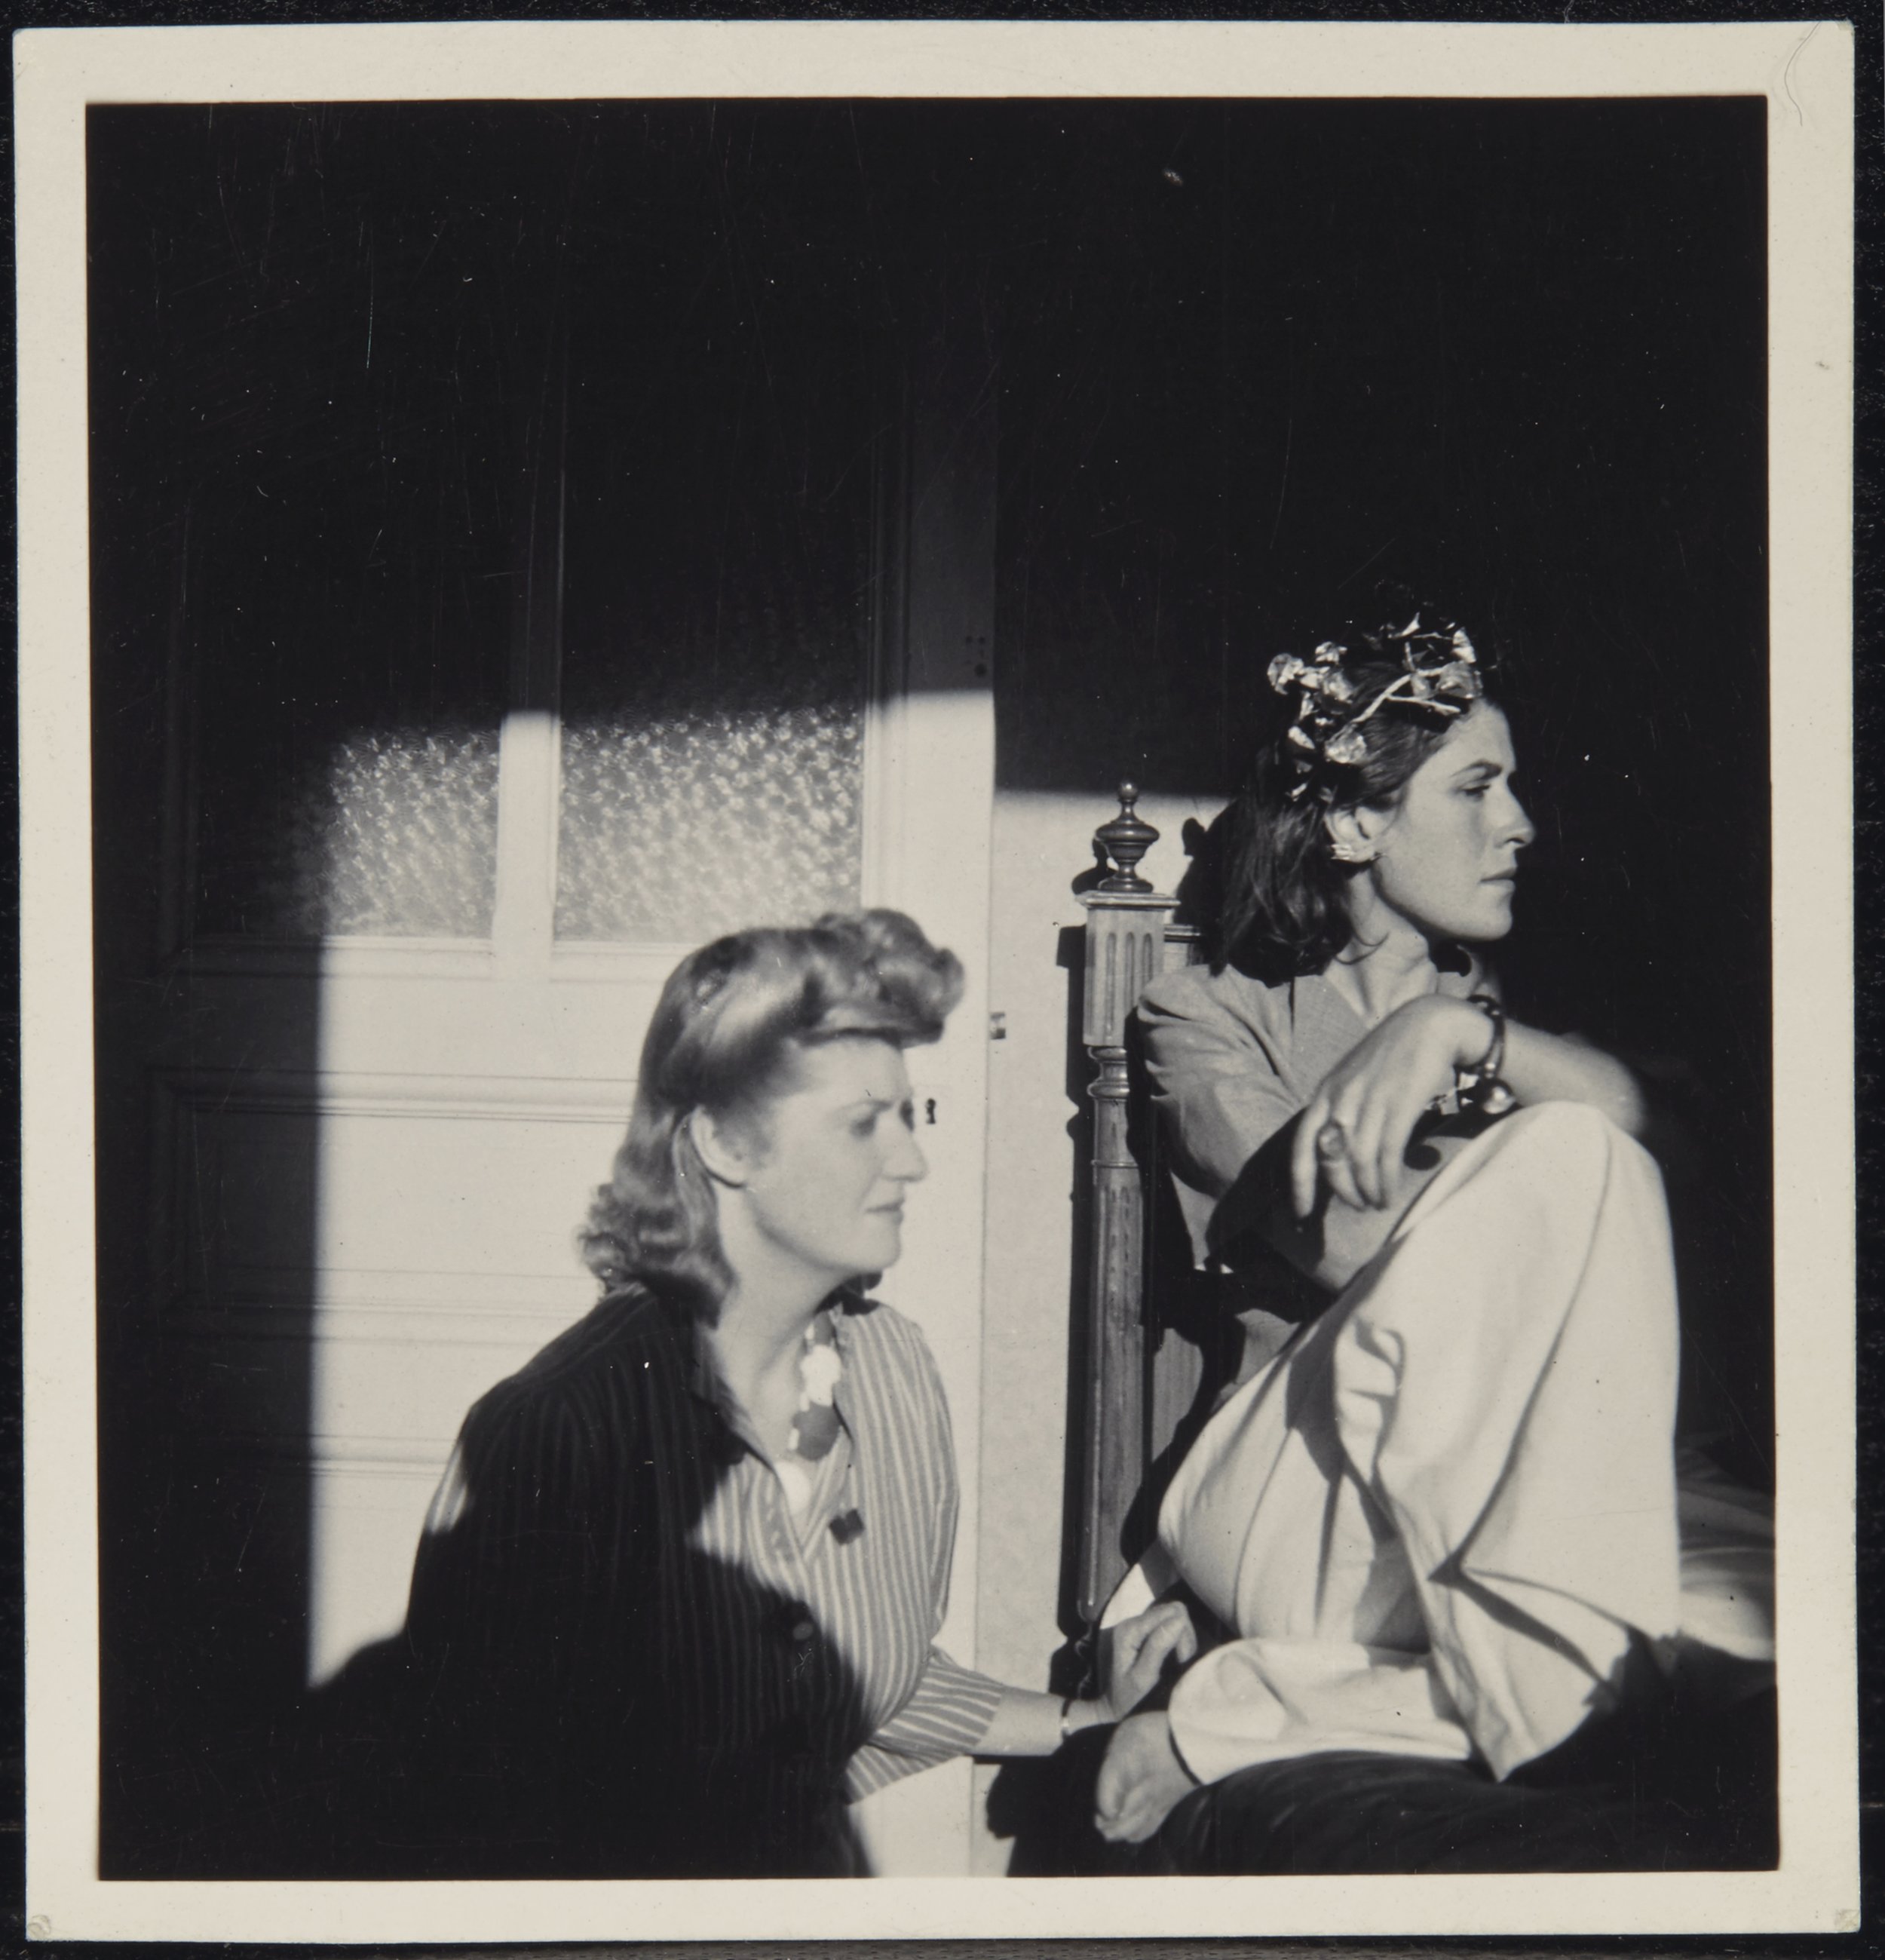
1440, 1518
677, 1600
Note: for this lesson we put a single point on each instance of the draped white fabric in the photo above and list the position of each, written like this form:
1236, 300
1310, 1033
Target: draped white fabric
1436, 1518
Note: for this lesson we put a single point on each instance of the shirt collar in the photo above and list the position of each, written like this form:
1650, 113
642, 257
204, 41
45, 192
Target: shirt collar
703, 1382
703, 1378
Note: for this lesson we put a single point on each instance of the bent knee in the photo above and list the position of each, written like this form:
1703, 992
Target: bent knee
1560, 1153
1566, 1133
1558, 1158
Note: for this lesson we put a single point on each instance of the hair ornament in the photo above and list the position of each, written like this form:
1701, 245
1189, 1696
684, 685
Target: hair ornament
1441, 674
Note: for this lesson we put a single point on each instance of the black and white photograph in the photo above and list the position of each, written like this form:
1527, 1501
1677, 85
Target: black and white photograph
937, 969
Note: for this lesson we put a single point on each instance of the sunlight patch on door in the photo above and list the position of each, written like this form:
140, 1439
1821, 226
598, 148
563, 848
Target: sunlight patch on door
685, 825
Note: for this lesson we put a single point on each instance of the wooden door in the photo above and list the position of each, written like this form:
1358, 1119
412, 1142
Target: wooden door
371, 1151
387, 889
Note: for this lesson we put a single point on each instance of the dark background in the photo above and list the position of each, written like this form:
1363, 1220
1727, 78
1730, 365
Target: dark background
1253, 359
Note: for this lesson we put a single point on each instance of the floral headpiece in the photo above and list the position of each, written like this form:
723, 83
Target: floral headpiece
1442, 676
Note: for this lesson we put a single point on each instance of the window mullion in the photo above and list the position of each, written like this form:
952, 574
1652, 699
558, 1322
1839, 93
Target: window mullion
523, 922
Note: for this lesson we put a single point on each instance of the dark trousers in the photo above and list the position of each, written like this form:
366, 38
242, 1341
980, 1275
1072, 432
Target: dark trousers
1671, 1781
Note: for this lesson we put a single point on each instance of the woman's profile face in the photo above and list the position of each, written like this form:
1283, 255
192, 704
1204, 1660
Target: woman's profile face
1447, 856
835, 1153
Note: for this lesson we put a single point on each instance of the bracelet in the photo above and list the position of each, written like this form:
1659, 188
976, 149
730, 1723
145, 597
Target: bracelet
1487, 1068
1479, 1087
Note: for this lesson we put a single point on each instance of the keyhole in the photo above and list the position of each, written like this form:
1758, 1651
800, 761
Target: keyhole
929, 1110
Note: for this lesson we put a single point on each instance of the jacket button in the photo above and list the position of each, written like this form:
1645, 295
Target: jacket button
803, 1631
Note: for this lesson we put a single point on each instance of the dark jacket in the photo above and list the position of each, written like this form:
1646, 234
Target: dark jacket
579, 1691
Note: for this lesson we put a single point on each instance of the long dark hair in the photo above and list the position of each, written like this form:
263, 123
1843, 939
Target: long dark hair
1283, 911
729, 1022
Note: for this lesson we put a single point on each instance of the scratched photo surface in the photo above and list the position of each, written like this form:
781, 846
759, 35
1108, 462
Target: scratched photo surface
521, 535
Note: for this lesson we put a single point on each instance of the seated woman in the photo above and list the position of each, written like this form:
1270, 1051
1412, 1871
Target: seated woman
676, 1601
1439, 1520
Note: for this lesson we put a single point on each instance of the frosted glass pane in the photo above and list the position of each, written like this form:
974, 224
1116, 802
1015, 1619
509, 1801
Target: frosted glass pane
395, 832
685, 825
713, 735
723, 433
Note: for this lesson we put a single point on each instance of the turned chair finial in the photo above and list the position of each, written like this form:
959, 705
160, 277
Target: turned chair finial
1124, 842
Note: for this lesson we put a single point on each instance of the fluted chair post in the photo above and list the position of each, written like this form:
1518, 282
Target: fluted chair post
1126, 923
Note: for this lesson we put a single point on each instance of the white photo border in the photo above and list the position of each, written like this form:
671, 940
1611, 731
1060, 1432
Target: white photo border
1805, 71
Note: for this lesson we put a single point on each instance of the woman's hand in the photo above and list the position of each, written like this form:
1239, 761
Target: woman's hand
1140, 1781
1136, 1652
1356, 1130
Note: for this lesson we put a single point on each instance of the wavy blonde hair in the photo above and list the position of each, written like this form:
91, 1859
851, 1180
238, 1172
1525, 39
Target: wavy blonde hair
731, 1021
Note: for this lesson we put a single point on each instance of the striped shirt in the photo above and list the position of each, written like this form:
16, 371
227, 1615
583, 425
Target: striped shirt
633, 1656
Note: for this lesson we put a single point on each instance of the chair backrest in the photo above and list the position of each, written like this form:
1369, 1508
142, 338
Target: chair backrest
1137, 1376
